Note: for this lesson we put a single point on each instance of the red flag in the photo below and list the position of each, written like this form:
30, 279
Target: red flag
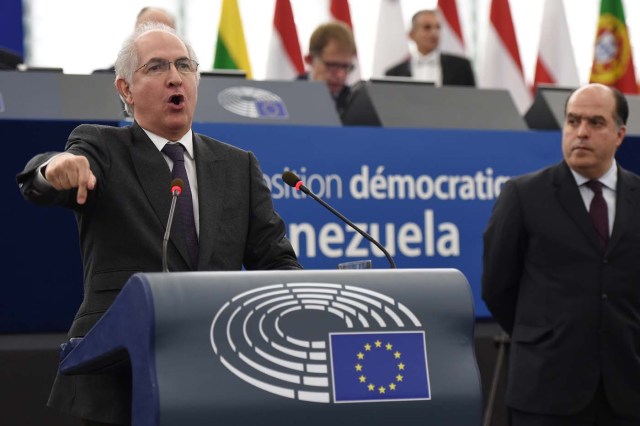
612, 58
340, 11
501, 67
285, 57
556, 64
452, 38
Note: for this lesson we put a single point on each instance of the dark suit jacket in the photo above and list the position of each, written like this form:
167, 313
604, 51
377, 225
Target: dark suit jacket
456, 70
572, 313
341, 101
9, 60
122, 225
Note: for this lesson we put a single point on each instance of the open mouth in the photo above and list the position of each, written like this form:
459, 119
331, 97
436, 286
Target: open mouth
176, 99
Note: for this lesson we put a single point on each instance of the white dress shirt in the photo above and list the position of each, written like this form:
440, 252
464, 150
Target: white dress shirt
189, 165
427, 67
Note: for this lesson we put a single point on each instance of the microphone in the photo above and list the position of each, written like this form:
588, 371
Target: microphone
294, 181
176, 189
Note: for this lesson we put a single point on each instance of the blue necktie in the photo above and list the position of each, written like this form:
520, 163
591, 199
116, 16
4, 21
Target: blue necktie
599, 213
184, 207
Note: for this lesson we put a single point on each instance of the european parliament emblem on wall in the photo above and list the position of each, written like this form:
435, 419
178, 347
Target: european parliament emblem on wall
253, 102
323, 343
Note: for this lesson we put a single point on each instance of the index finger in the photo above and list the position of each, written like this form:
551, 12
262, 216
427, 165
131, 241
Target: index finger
86, 182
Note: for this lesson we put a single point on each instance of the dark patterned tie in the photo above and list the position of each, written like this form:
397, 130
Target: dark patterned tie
599, 213
184, 206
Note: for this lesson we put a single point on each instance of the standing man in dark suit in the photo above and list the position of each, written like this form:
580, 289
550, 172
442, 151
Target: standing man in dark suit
562, 275
428, 63
117, 182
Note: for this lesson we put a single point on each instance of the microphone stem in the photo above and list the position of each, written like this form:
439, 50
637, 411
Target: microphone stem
341, 216
167, 232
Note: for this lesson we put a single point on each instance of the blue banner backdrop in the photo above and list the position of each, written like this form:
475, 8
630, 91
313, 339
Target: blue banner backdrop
11, 31
426, 195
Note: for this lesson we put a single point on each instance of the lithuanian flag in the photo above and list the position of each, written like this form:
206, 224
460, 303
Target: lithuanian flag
231, 49
612, 58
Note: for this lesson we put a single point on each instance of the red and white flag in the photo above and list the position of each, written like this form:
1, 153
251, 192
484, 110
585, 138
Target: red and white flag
556, 64
339, 10
451, 38
285, 57
391, 45
500, 66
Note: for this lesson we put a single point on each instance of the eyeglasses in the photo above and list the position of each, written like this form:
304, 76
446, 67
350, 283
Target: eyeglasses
337, 66
160, 66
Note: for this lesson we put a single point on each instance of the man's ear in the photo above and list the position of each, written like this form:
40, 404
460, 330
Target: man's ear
124, 90
308, 59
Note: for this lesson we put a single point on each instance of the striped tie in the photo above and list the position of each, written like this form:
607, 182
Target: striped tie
184, 207
599, 213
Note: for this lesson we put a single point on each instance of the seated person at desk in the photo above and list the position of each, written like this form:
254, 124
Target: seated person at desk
428, 63
331, 53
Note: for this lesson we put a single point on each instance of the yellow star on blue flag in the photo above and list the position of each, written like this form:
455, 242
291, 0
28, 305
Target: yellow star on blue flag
379, 366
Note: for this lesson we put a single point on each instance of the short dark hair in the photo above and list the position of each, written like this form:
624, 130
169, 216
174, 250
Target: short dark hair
621, 105
414, 18
334, 30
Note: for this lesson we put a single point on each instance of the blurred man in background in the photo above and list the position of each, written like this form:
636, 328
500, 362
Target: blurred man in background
155, 14
332, 52
427, 63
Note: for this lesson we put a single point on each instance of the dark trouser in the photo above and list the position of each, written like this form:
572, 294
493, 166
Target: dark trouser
597, 413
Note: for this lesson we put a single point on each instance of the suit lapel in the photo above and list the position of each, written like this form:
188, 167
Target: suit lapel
155, 178
211, 184
568, 195
444, 66
405, 68
151, 169
626, 203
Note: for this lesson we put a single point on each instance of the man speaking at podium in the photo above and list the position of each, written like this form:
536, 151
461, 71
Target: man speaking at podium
117, 182
562, 275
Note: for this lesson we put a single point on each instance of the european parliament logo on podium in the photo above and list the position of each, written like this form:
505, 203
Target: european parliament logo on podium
361, 345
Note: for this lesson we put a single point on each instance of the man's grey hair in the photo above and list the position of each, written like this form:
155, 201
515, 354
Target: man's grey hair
128, 60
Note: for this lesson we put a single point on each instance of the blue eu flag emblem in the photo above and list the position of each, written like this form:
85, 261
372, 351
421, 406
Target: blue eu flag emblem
271, 109
369, 367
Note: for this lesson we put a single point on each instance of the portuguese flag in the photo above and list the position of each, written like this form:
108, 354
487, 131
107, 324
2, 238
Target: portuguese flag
231, 49
612, 58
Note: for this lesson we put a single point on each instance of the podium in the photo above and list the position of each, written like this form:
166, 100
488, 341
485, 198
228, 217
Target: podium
414, 104
291, 347
233, 100
45, 95
547, 110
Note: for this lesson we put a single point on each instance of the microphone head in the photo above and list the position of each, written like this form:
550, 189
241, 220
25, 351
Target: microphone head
290, 178
176, 186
